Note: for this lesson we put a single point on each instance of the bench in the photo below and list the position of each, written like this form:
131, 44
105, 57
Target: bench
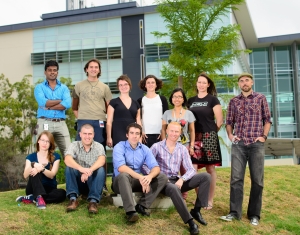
161, 202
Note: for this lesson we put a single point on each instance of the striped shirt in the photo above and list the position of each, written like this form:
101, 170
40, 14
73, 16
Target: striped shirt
83, 158
43, 92
170, 163
248, 115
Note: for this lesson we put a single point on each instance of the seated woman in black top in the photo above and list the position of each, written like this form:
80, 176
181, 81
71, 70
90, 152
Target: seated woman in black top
41, 168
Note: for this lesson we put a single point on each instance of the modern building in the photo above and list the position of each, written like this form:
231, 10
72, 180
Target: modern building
120, 36
75, 4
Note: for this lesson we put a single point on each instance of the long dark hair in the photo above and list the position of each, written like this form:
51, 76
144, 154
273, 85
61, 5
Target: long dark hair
51, 149
212, 88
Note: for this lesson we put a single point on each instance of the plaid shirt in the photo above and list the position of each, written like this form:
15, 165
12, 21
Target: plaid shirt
248, 115
83, 158
170, 163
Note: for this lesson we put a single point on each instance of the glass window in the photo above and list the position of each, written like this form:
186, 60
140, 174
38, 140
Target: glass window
75, 44
63, 57
101, 53
114, 53
88, 43
50, 56
37, 58
282, 55
88, 54
262, 85
62, 45
75, 56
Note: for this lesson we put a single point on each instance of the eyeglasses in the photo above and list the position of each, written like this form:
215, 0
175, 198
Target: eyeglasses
177, 97
121, 85
45, 141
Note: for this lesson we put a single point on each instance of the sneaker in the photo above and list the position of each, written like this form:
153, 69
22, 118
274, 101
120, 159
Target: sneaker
254, 221
40, 203
228, 217
105, 190
26, 199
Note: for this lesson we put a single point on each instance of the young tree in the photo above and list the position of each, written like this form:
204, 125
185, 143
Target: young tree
17, 124
196, 45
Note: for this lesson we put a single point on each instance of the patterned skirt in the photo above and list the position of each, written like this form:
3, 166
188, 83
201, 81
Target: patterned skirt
207, 149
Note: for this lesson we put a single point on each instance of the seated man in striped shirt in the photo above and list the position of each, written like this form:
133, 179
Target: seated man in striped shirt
170, 155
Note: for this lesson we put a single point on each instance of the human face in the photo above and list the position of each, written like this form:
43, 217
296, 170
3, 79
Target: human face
245, 84
150, 84
133, 136
177, 99
93, 69
173, 131
202, 84
123, 86
51, 73
44, 142
87, 136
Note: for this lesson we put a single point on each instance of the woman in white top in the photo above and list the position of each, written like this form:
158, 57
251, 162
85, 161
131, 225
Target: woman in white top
152, 108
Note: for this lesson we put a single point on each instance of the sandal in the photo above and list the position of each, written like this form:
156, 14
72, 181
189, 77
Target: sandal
209, 207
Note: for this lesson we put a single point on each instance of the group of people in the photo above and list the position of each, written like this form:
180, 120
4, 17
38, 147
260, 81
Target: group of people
155, 150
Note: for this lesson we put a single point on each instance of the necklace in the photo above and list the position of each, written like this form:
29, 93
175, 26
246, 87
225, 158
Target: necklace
174, 115
93, 92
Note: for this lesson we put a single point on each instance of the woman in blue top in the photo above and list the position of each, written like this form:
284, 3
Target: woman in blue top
41, 168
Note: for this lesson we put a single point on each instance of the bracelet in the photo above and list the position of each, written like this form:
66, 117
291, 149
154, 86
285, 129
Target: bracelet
191, 147
265, 137
43, 170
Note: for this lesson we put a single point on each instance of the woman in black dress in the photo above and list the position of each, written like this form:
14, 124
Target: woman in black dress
121, 112
209, 119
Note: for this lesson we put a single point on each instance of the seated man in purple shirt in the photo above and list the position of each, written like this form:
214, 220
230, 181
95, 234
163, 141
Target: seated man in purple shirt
170, 155
128, 158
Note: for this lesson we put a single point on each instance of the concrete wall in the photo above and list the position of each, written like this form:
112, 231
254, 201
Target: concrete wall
16, 48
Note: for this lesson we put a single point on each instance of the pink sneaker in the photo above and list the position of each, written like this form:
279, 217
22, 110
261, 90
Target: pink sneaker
40, 203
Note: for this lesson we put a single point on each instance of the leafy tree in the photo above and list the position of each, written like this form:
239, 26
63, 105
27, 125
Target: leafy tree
17, 123
17, 120
196, 45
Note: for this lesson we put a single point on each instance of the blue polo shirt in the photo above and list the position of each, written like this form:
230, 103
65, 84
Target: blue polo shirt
124, 154
43, 92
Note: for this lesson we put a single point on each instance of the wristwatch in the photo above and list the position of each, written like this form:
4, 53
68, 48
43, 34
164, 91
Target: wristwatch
265, 137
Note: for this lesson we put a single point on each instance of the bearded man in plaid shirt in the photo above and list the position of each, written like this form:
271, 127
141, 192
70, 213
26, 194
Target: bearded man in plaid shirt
248, 123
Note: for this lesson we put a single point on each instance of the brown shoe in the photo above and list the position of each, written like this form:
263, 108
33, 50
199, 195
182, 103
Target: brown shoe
93, 207
73, 204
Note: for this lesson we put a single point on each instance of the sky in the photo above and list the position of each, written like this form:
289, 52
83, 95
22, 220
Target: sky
270, 17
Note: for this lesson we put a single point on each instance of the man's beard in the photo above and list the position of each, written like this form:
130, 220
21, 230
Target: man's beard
246, 89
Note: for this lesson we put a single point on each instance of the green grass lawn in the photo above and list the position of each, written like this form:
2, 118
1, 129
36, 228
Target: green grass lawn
280, 212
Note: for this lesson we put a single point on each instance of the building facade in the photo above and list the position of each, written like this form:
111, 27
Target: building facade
120, 36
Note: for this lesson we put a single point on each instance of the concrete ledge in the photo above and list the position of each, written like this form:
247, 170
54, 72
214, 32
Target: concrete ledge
161, 202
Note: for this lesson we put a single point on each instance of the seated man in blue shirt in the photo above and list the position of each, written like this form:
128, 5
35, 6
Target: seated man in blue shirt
128, 158
170, 155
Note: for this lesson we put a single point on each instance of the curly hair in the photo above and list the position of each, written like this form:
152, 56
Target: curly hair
51, 148
142, 83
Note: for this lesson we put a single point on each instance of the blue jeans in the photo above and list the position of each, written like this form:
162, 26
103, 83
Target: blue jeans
93, 187
255, 155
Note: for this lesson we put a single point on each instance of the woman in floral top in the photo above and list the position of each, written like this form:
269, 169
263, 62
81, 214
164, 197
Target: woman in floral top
186, 119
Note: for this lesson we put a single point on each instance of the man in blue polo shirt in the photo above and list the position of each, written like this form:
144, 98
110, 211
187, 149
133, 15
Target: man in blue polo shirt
53, 99
128, 158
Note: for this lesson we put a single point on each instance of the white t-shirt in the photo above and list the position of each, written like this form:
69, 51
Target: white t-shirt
152, 114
